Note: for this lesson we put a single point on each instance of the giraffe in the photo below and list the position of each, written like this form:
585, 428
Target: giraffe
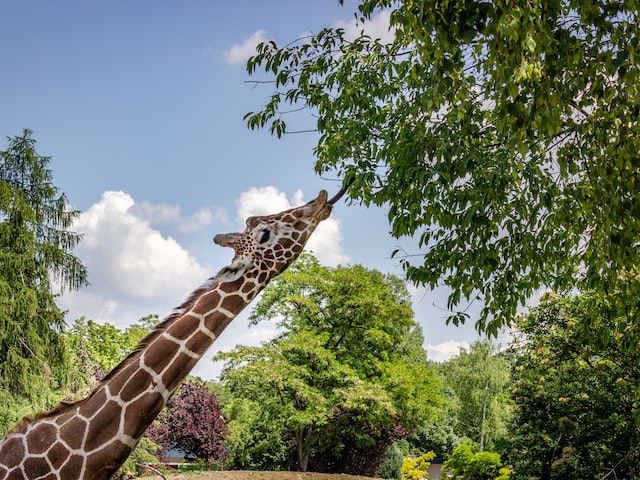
90, 438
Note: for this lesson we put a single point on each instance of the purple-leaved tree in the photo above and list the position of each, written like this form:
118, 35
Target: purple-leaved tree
192, 423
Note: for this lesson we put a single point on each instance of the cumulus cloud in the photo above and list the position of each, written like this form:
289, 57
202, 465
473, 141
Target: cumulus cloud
134, 270
241, 52
442, 352
326, 242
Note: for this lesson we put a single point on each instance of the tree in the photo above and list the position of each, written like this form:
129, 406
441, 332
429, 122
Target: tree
35, 245
577, 406
191, 422
342, 377
480, 379
503, 137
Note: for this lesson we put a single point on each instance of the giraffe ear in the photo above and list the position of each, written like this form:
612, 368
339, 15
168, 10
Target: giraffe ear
233, 271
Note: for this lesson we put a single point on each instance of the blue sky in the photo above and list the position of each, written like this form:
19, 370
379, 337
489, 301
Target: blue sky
140, 105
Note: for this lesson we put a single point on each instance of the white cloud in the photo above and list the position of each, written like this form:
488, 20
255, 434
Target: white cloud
240, 52
134, 270
442, 352
377, 27
325, 243
163, 214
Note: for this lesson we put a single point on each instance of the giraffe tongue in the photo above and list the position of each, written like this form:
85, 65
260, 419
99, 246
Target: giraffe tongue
336, 197
341, 192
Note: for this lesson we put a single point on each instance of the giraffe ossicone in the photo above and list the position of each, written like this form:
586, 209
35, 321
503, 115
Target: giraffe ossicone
90, 438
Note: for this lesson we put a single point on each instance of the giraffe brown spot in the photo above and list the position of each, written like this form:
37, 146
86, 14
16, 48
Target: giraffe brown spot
139, 382
91, 404
139, 414
104, 425
160, 354
199, 343
104, 462
72, 467
181, 330
73, 432
233, 303
39, 439
121, 378
248, 286
15, 475
205, 304
57, 455
177, 371
36, 467
217, 323
285, 244
12, 452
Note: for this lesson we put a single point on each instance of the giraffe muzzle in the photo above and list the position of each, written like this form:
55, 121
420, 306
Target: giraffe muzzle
227, 239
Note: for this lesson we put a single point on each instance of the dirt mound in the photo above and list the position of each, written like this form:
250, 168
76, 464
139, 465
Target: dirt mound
252, 475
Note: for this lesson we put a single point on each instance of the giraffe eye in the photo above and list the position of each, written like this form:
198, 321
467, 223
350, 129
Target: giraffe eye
264, 236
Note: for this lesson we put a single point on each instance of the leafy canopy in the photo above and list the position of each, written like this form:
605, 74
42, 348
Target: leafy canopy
103, 346
503, 137
346, 376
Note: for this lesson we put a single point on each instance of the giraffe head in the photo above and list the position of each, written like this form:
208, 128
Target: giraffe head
270, 243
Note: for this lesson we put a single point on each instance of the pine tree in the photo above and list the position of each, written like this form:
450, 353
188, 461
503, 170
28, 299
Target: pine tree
35, 245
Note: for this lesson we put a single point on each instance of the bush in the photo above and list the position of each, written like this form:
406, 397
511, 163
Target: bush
392, 466
416, 468
467, 463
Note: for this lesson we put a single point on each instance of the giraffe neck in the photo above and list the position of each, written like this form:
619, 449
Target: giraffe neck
91, 438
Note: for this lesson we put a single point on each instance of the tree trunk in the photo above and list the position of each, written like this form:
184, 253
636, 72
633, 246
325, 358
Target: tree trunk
303, 454
484, 417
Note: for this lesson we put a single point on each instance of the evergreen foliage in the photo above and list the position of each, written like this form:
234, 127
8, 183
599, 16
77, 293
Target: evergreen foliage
35, 246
